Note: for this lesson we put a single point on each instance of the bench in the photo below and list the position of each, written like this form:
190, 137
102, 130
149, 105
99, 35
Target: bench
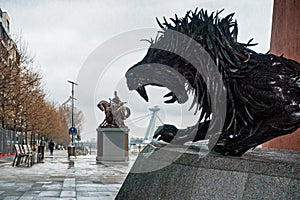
20, 155
29, 154
35, 154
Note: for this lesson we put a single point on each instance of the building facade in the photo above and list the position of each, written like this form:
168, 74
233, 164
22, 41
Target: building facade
285, 40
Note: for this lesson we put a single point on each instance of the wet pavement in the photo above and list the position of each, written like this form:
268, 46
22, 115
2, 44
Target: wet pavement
59, 178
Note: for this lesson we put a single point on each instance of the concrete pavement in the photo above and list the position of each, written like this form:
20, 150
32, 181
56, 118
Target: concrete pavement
59, 178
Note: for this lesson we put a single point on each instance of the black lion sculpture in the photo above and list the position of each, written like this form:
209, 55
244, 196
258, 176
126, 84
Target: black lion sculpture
261, 92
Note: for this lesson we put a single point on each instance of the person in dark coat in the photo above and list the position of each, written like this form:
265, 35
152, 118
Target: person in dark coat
51, 146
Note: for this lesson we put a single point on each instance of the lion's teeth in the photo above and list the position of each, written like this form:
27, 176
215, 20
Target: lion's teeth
142, 92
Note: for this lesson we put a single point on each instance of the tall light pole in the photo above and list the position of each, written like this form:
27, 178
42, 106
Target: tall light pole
72, 121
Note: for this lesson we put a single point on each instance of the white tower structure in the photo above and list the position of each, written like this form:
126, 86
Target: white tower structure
150, 129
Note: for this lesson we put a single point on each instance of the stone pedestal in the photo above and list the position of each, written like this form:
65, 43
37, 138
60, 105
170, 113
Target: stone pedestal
175, 173
112, 144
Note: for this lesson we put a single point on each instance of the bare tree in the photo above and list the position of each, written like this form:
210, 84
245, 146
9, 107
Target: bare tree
23, 106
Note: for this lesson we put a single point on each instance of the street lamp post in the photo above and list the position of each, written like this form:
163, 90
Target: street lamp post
72, 121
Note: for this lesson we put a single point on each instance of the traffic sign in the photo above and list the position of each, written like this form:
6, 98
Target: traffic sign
72, 130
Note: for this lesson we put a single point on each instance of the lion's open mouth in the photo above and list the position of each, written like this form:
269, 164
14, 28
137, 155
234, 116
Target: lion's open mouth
141, 75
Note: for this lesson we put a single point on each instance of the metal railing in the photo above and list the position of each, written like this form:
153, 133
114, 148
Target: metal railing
7, 140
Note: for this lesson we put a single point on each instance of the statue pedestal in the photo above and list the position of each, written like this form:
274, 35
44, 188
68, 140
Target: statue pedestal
178, 173
112, 144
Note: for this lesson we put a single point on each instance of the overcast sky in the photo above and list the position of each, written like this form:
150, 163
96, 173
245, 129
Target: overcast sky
65, 35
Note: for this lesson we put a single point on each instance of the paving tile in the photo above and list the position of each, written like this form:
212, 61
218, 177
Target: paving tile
68, 194
24, 188
53, 187
86, 189
45, 198
88, 185
82, 194
31, 193
26, 198
100, 194
68, 187
49, 194
43, 182
88, 198
11, 198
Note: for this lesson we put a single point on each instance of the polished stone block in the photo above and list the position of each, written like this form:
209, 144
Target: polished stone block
162, 172
112, 144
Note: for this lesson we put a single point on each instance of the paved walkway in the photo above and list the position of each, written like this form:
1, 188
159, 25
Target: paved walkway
59, 178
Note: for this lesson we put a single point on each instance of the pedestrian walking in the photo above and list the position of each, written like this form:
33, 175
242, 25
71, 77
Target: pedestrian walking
51, 146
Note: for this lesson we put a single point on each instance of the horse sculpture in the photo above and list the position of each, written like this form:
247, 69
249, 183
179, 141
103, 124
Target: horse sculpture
115, 112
